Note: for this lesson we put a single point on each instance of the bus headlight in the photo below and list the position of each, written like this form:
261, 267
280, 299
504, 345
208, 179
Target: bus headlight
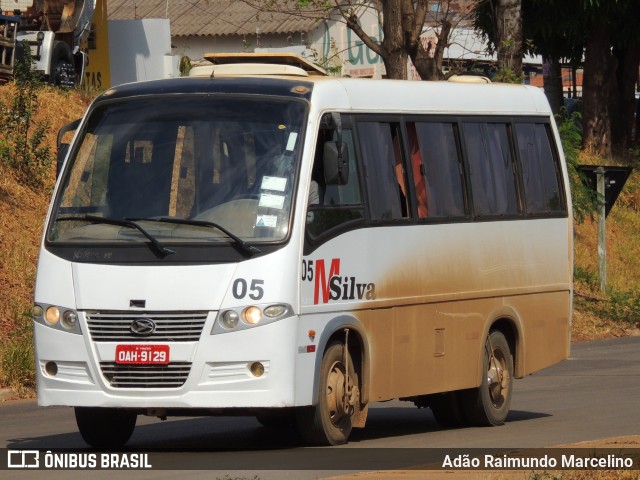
58, 318
252, 315
37, 310
242, 318
69, 319
230, 319
273, 311
52, 315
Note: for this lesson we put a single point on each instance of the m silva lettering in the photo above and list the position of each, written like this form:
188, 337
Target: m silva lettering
334, 286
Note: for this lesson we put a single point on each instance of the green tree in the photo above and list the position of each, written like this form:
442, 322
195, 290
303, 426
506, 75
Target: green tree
23, 147
558, 37
611, 60
604, 31
500, 22
402, 23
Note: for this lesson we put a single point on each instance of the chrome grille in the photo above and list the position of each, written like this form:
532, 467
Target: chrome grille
170, 326
172, 375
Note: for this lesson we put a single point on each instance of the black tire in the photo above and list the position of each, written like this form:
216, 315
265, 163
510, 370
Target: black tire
446, 409
105, 428
489, 404
329, 422
62, 71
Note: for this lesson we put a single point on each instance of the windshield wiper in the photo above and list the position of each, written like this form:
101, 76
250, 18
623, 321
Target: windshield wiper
155, 245
244, 246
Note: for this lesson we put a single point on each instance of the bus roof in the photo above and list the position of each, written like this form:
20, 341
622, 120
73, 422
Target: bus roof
360, 95
402, 96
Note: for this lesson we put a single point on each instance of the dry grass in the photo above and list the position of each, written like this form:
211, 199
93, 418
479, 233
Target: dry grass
623, 248
623, 238
22, 213
589, 326
617, 313
21, 217
22, 210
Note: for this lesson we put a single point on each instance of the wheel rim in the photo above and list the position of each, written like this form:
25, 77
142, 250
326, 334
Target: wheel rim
62, 75
498, 379
339, 402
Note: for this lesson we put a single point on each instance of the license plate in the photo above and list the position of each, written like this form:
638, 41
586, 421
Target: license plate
142, 354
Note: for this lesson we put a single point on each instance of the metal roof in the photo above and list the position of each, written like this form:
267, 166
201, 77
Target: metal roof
215, 17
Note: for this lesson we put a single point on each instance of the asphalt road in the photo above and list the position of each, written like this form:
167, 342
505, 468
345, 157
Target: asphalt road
592, 395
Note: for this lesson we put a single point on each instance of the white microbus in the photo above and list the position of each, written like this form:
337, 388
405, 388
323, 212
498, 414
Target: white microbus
299, 247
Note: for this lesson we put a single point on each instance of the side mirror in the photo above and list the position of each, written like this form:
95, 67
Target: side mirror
63, 148
336, 163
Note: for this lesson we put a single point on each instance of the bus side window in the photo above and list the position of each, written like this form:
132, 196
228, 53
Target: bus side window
441, 190
493, 181
540, 170
332, 206
384, 171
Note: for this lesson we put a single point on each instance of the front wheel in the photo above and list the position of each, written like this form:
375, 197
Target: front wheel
105, 428
330, 421
489, 403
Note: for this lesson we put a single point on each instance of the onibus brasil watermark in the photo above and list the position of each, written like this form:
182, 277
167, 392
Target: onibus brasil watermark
37, 459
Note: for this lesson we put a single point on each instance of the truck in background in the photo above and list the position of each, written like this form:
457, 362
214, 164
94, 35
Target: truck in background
55, 30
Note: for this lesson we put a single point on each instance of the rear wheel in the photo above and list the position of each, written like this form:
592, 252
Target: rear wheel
105, 427
330, 421
489, 403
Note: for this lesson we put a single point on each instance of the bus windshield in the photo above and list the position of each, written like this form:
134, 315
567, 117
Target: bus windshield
182, 169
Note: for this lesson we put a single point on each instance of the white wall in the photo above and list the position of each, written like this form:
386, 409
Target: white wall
140, 50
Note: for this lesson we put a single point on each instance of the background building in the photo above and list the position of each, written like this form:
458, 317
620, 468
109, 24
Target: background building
198, 27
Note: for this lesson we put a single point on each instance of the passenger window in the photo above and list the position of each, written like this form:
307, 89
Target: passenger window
436, 169
332, 206
385, 176
491, 169
540, 176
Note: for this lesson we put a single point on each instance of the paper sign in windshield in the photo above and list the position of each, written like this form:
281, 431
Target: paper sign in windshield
291, 143
277, 184
268, 200
269, 221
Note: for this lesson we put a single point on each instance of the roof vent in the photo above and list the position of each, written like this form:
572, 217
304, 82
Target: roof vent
250, 69
469, 78
237, 64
